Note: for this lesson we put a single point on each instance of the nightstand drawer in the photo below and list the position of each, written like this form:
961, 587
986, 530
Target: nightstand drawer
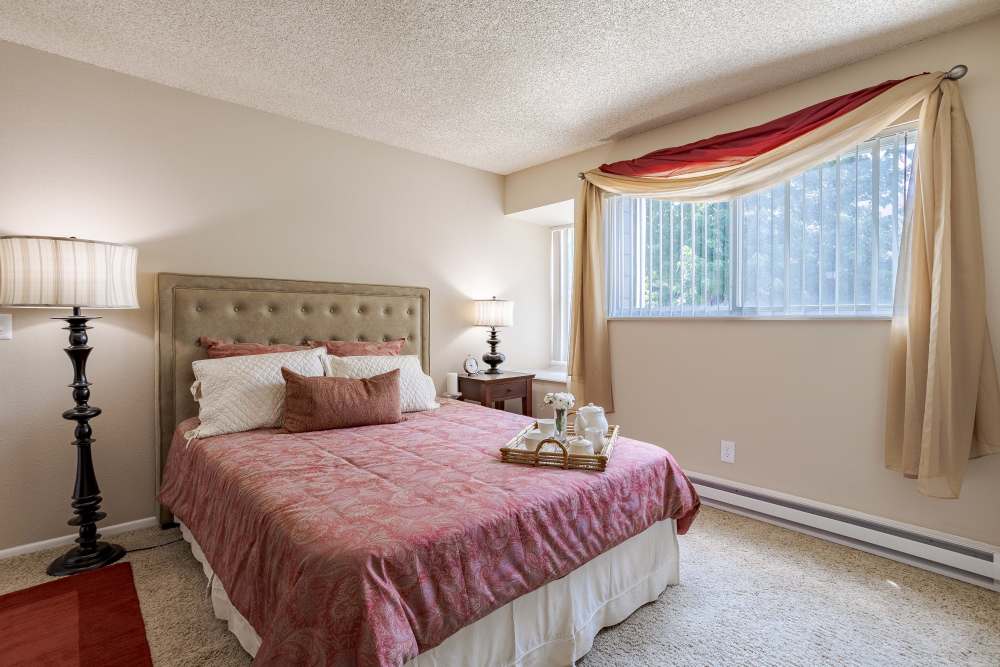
513, 390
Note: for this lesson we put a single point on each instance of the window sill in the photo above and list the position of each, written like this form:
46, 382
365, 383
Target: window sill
549, 375
760, 318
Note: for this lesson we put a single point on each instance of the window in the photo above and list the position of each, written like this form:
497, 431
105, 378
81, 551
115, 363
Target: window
822, 244
561, 282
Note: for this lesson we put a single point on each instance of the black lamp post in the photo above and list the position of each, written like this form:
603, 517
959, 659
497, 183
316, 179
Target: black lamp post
47, 272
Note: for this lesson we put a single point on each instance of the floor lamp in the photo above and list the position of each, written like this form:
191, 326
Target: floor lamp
48, 272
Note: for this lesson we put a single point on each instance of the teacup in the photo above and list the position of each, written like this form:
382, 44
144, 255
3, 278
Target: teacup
532, 438
580, 446
547, 426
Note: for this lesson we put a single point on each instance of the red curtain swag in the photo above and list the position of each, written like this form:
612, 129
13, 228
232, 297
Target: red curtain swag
736, 147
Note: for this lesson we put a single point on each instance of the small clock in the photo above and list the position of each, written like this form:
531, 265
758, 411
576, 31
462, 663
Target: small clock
471, 366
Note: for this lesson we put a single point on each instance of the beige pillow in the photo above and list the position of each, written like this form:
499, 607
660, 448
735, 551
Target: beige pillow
416, 388
243, 393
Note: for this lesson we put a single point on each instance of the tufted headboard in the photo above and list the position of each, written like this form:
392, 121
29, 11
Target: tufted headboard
264, 310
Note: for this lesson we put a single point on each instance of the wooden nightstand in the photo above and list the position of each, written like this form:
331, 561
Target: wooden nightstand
489, 390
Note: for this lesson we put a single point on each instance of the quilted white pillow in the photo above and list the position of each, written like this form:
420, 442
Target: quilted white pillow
243, 393
416, 389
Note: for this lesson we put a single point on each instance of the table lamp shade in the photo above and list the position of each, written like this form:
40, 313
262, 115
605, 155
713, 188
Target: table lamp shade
494, 313
49, 272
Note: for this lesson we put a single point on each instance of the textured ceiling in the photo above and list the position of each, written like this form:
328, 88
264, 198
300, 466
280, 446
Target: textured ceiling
494, 84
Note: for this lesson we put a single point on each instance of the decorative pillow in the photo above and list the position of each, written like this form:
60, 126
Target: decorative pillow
246, 392
321, 403
416, 389
360, 348
221, 349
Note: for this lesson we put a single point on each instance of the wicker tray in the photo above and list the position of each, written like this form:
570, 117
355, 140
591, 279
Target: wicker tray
514, 451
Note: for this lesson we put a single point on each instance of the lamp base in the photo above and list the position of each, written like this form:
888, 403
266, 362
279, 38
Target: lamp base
494, 362
89, 553
493, 358
77, 560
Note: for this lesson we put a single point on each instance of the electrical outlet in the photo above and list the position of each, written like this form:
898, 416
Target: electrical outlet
6, 326
728, 451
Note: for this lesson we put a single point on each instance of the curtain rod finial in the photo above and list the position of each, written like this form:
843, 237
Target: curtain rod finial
956, 72
579, 175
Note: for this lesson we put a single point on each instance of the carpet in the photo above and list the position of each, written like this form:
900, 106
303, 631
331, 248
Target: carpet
86, 620
750, 594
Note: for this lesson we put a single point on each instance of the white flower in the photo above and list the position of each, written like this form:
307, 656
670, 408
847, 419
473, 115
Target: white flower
562, 400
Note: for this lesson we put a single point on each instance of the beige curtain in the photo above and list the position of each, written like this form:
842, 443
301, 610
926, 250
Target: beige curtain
589, 345
924, 415
943, 406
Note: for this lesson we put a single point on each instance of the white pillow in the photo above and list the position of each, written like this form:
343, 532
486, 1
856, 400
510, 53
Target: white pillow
416, 389
243, 393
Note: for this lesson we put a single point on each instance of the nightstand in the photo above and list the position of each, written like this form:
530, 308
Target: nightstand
489, 390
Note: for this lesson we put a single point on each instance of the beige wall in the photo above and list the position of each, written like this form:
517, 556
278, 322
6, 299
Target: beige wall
539, 389
803, 400
202, 186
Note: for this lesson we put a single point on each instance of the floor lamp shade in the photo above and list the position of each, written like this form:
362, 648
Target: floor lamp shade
48, 272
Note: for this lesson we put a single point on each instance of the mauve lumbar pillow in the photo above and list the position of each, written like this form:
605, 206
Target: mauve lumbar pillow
361, 348
218, 348
321, 403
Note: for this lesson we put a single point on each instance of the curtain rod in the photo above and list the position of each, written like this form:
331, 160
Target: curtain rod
955, 73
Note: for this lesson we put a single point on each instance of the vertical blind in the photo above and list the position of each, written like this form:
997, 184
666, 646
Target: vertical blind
561, 282
822, 244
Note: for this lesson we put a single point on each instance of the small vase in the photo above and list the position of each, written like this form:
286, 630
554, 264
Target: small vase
560, 433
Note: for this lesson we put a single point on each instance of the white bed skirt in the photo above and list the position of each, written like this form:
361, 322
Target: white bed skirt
553, 625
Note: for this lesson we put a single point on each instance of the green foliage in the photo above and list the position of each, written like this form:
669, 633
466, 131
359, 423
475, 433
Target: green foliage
693, 239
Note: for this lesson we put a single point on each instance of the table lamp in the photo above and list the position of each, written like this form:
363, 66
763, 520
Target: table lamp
51, 272
494, 313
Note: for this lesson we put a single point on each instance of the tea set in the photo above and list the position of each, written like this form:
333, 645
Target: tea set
590, 427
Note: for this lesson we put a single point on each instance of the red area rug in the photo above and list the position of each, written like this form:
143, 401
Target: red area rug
86, 619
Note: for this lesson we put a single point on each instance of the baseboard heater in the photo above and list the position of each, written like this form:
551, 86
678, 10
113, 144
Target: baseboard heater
966, 560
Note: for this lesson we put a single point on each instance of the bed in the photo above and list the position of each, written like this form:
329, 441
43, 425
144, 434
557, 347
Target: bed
404, 543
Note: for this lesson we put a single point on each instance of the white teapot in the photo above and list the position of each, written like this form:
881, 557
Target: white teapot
590, 416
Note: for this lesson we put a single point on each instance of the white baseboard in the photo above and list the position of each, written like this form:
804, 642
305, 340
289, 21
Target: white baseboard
953, 556
106, 531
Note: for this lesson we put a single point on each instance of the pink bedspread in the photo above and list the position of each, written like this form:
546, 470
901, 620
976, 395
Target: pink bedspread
370, 545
